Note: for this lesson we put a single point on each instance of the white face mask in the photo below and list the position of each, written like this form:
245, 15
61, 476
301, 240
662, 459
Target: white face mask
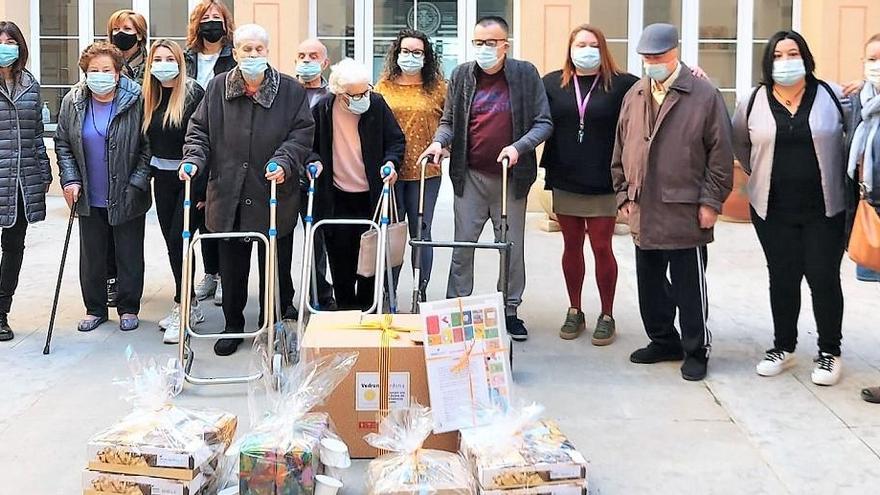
486, 56
359, 107
789, 72
872, 72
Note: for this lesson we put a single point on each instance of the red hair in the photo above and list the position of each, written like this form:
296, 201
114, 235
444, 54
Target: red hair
608, 68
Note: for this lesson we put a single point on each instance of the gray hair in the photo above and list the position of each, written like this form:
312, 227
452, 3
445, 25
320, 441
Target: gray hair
250, 32
346, 72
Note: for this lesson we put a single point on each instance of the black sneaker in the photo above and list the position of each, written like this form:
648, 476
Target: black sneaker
112, 293
291, 314
227, 347
694, 368
654, 353
5, 331
516, 329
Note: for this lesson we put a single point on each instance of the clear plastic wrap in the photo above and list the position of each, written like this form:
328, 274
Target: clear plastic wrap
281, 453
519, 450
408, 469
159, 440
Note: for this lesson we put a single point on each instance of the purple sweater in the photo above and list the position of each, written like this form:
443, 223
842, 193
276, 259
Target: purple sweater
95, 130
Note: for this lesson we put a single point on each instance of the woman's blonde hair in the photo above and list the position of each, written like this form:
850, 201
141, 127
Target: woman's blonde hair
153, 88
137, 20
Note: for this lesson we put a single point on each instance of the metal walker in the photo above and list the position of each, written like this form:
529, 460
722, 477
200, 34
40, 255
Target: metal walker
383, 268
185, 353
502, 245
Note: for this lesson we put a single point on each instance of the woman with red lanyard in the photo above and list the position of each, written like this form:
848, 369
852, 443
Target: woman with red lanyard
585, 99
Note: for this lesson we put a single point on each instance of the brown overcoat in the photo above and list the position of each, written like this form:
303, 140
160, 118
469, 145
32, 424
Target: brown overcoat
670, 165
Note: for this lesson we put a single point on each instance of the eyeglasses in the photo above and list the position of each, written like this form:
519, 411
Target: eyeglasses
491, 43
360, 96
414, 53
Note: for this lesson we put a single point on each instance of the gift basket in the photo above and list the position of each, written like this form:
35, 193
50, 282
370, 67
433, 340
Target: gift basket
158, 440
281, 453
518, 452
408, 469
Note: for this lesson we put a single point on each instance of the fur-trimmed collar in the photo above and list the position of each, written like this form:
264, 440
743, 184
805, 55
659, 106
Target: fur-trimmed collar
235, 87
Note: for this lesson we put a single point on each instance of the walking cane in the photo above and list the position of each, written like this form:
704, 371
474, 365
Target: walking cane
60, 275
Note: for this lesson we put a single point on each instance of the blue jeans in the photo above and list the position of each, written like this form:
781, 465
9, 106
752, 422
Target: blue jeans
867, 275
407, 195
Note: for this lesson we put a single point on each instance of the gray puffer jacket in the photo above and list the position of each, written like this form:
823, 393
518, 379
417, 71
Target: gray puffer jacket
24, 164
129, 155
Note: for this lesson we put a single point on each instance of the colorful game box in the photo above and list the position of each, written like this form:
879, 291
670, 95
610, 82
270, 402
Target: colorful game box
466, 354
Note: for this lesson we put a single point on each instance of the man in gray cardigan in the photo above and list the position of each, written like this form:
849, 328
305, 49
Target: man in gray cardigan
496, 108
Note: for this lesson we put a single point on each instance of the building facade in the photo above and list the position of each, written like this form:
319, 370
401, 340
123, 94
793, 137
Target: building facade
724, 37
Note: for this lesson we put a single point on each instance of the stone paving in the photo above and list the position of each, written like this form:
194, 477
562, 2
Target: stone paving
644, 429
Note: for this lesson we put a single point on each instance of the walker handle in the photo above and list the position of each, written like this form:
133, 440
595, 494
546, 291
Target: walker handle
313, 169
272, 167
386, 171
505, 161
188, 169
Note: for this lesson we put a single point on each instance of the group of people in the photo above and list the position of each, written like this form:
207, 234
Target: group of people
657, 150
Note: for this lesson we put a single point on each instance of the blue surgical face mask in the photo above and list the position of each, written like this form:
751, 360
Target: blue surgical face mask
164, 71
409, 63
308, 70
586, 58
8, 55
657, 72
253, 67
486, 56
101, 83
788, 72
359, 107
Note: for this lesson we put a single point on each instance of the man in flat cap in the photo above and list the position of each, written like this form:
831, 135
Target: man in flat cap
672, 169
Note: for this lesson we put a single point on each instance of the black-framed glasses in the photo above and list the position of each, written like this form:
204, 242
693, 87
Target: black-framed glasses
360, 96
414, 53
491, 43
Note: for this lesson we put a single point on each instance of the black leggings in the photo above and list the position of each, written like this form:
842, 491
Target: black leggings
811, 248
169, 208
12, 241
343, 244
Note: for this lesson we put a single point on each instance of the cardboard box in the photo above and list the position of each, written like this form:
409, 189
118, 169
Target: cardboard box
353, 406
546, 457
97, 483
266, 469
172, 443
578, 488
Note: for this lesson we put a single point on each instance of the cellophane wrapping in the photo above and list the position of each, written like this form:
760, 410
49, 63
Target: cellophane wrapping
519, 450
159, 439
280, 454
409, 469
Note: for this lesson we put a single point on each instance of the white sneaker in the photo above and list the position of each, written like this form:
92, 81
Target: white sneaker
196, 315
828, 369
774, 362
218, 294
172, 331
206, 287
174, 314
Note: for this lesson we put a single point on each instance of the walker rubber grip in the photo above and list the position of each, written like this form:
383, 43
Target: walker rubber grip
272, 167
188, 168
386, 171
313, 169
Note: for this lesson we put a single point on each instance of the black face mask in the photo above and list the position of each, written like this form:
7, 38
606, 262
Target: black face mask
212, 31
124, 41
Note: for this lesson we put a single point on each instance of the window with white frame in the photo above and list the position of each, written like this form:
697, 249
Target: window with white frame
725, 38
365, 29
66, 27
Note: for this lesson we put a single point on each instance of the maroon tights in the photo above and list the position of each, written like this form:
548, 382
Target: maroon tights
600, 230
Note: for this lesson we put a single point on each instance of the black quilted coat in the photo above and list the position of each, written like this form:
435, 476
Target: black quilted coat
128, 153
24, 164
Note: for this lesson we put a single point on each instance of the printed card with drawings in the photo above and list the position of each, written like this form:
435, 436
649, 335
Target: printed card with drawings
466, 353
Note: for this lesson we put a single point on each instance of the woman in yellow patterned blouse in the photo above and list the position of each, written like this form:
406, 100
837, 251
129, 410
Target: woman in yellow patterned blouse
413, 86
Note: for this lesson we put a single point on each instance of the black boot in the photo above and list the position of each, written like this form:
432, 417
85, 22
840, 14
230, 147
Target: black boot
227, 347
5, 331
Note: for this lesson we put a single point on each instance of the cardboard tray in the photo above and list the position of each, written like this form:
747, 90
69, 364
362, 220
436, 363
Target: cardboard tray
98, 483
